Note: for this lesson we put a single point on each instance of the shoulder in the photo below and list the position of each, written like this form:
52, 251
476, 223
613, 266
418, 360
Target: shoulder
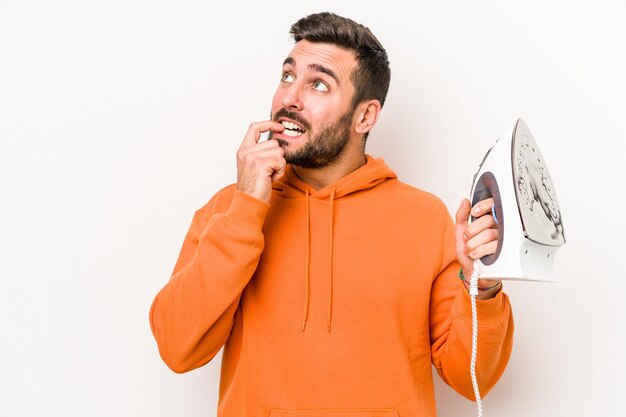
413, 198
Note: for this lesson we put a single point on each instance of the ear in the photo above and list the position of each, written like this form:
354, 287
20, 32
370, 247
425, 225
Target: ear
366, 116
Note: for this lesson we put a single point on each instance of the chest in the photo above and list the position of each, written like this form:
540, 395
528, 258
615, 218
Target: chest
375, 262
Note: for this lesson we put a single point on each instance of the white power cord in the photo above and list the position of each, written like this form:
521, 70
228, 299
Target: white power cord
473, 294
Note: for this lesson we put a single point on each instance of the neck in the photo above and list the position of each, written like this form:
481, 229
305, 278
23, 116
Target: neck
319, 178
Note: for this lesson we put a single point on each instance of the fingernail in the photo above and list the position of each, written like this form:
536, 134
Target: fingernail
473, 254
476, 210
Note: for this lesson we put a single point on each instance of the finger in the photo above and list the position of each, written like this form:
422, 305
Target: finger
260, 146
254, 131
483, 250
482, 207
279, 170
482, 223
266, 144
484, 238
263, 155
277, 164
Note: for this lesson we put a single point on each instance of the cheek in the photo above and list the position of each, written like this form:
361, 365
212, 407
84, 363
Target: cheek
323, 116
320, 110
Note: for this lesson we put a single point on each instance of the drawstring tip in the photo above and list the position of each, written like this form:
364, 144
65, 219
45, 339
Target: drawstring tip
303, 324
328, 327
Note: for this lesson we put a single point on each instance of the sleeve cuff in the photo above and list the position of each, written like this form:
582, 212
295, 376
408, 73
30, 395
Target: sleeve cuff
489, 311
247, 211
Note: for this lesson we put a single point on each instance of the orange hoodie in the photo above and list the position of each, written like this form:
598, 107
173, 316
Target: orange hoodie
330, 303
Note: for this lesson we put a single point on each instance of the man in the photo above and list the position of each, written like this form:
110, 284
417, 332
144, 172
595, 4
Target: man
331, 285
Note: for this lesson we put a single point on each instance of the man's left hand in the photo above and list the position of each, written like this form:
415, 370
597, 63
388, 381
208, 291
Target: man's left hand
475, 240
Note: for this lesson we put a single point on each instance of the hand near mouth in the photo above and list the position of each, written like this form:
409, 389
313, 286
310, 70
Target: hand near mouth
258, 164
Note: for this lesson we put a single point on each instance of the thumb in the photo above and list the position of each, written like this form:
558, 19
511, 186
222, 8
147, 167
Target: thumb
462, 214
278, 173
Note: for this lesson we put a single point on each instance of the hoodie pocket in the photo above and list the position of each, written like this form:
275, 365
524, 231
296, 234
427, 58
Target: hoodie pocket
336, 412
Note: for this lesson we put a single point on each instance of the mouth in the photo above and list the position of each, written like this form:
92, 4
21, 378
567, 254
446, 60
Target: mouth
292, 129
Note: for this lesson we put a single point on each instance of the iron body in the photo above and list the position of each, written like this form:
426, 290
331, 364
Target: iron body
530, 227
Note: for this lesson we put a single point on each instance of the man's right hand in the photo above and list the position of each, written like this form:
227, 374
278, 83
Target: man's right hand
258, 164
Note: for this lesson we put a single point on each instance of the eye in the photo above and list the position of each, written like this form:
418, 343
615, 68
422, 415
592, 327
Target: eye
288, 78
320, 86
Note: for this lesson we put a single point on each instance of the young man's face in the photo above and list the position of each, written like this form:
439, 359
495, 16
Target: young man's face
314, 103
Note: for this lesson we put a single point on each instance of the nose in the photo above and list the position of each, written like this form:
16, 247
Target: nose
291, 98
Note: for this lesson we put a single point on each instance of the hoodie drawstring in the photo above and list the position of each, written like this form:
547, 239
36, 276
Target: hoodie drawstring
330, 261
291, 187
307, 265
307, 278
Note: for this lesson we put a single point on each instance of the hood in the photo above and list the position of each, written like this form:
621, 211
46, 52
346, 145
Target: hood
368, 176
374, 172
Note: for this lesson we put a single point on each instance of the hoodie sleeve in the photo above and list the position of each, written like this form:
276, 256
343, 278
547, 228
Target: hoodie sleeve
451, 328
192, 316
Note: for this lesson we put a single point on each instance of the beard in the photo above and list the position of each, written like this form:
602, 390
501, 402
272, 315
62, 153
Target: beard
323, 148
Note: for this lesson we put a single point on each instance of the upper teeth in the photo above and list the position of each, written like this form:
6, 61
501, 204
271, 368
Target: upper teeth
291, 126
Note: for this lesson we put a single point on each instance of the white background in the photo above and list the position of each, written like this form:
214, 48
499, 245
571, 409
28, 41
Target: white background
119, 118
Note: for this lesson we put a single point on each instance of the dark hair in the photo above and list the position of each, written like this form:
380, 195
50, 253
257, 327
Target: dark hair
372, 75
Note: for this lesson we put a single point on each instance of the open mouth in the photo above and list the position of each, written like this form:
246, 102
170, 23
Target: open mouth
292, 129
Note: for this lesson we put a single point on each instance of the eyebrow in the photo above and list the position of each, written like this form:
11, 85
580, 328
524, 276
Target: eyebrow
315, 67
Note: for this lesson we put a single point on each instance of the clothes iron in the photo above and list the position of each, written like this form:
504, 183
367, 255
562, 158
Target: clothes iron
525, 207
